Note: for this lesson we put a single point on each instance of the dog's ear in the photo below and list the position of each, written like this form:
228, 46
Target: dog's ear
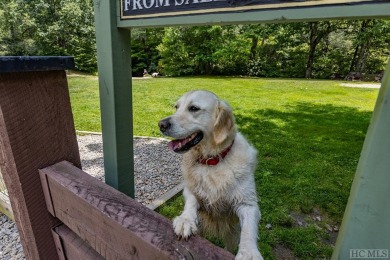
224, 122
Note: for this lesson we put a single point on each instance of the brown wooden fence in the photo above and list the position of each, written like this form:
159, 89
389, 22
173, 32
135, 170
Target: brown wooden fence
62, 212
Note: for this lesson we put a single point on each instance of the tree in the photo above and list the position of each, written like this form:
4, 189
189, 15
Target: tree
190, 50
256, 32
49, 27
281, 53
16, 29
175, 58
233, 53
144, 53
317, 32
371, 35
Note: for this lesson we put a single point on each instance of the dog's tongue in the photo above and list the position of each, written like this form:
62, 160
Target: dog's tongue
176, 144
171, 145
182, 145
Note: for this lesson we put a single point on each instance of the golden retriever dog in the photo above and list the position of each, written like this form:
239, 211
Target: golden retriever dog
218, 165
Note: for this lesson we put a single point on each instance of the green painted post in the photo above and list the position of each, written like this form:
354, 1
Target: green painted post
113, 49
366, 222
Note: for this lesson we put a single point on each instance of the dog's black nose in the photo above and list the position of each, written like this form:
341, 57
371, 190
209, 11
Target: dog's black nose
164, 124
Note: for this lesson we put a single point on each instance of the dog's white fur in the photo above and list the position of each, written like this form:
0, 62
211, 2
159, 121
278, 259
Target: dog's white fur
219, 199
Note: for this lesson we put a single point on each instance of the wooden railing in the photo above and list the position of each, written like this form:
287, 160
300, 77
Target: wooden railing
111, 223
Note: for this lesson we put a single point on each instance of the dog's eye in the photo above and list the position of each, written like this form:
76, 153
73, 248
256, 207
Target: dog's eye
176, 106
193, 108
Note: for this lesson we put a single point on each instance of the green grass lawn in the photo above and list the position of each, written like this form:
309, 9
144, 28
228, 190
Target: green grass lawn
309, 134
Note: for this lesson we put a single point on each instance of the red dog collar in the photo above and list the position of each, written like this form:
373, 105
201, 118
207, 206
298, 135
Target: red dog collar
214, 160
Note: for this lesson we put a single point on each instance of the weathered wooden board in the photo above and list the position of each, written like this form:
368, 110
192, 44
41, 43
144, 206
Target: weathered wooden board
72, 247
115, 225
36, 130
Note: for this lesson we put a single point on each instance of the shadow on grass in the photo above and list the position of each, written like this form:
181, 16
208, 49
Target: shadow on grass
308, 154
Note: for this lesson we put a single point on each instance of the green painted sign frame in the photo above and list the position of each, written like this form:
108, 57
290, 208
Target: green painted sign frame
270, 13
366, 222
143, 9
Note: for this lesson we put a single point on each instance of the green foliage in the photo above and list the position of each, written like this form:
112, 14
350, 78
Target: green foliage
144, 53
315, 49
203, 50
175, 59
323, 49
371, 45
16, 29
232, 57
336, 62
281, 53
43, 27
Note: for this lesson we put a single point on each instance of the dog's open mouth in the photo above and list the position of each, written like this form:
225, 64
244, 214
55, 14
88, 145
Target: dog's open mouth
185, 144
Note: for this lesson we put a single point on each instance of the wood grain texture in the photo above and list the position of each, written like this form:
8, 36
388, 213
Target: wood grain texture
71, 246
115, 225
36, 130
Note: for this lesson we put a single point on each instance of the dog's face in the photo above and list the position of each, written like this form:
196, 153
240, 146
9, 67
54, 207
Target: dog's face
200, 118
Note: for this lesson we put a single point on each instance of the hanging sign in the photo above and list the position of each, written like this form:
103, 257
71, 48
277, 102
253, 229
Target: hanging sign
133, 9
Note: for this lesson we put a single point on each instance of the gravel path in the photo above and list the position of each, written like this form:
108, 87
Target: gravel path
157, 170
361, 85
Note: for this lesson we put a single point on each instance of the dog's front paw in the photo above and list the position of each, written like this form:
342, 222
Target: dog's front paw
184, 226
248, 254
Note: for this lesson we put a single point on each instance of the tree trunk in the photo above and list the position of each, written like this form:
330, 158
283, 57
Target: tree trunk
253, 50
353, 62
363, 54
312, 48
316, 35
362, 49
310, 61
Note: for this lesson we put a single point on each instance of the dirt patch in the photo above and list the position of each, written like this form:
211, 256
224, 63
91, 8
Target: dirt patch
283, 252
299, 219
319, 221
331, 240
355, 85
137, 78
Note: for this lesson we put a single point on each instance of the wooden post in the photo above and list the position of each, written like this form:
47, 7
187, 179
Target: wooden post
113, 49
366, 222
36, 130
